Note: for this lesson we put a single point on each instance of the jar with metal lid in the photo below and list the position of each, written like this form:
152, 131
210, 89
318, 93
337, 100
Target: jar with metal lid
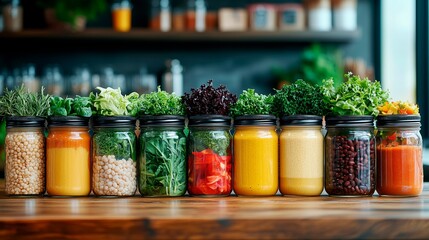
301, 155
209, 155
162, 161
350, 156
255, 155
399, 155
25, 156
114, 156
68, 156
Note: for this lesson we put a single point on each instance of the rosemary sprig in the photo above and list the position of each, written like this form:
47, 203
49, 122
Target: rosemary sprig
21, 102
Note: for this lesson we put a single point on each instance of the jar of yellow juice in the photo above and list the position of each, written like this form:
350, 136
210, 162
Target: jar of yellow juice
301, 155
121, 15
255, 155
68, 161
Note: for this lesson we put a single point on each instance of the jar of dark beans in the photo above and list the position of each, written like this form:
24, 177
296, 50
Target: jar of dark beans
350, 156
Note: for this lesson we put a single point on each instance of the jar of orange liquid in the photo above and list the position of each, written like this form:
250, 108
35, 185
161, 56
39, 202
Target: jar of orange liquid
255, 155
121, 15
68, 157
399, 155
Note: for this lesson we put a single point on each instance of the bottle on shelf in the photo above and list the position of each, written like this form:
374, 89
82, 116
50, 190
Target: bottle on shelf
196, 15
319, 15
53, 80
144, 82
29, 78
160, 15
178, 15
13, 16
172, 78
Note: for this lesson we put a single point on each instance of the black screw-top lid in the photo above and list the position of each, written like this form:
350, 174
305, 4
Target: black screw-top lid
350, 121
398, 120
72, 121
301, 120
15, 121
255, 120
209, 120
114, 121
162, 120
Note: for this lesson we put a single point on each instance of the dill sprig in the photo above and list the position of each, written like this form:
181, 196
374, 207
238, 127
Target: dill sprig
21, 102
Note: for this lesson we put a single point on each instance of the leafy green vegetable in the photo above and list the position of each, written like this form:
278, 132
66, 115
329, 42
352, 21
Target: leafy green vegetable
163, 163
356, 96
110, 102
161, 103
79, 106
21, 102
218, 141
299, 98
250, 103
119, 144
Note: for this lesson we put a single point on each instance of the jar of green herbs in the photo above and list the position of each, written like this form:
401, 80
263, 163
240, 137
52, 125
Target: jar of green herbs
162, 160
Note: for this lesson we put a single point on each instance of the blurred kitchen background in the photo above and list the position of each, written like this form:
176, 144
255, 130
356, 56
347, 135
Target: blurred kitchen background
72, 46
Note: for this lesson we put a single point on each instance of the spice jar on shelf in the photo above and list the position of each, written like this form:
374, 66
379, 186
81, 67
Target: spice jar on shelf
350, 156
162, 161
255, 155
25, 156
344, 14
399, 155
178, 15
262, 17
319, 15
291, 17
114, 156
68, 156
301, 146
121, 15
160, 15
209, 155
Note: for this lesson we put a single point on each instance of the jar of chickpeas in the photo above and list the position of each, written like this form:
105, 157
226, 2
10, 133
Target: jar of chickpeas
25, 156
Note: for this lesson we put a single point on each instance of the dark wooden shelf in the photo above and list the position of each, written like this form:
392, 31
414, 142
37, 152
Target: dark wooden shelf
143, 35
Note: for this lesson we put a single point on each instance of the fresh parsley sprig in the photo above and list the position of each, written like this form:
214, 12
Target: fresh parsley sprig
299, 98
251, 103
161, 103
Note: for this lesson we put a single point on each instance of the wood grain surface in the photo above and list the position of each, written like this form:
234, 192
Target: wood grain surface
277, 217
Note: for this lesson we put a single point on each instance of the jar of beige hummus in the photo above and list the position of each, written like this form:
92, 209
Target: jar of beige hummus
301, 155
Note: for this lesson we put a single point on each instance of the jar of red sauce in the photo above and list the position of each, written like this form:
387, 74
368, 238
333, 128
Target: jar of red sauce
399, 155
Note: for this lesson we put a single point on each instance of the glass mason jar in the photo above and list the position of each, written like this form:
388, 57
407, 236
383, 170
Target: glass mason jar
350, 156
399, 155
68, 157
256, 155
209, 155
162, 161
301, 155
25, 156
114, 156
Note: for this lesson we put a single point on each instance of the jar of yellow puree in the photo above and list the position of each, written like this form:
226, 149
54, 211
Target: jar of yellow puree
301, 155
68, 161
255, 155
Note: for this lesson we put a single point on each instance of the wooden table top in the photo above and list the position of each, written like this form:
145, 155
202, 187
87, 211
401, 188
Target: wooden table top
277, 217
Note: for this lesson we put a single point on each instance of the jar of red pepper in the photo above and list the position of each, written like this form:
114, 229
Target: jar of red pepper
209, 155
